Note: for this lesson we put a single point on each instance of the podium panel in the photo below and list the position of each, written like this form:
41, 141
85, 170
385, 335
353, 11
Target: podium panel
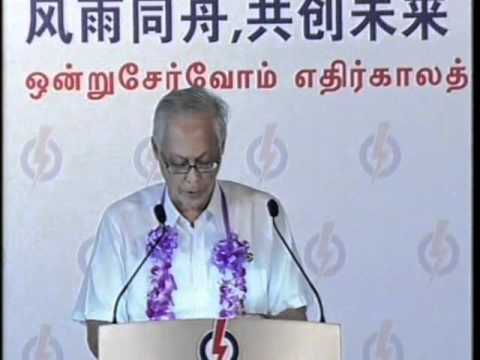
204, 339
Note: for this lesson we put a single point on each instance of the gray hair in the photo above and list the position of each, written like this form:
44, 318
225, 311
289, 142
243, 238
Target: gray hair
190, 101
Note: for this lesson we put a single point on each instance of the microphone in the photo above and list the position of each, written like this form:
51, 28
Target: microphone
272, 208
161, 217
273, 211
160, 214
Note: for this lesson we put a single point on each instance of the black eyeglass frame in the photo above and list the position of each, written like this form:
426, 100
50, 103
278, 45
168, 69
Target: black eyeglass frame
208, 167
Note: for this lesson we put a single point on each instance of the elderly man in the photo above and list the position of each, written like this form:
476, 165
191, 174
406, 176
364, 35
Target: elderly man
209, 222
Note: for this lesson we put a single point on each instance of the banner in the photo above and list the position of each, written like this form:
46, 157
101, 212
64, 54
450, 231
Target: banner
355, 113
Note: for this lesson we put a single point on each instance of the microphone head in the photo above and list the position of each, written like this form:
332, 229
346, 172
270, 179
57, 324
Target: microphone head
272, 208
160, 213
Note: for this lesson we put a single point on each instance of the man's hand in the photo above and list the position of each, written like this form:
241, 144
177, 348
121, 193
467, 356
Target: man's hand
255, 316
291, 314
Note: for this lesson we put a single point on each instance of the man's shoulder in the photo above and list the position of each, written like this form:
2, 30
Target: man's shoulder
143, 199
241, 192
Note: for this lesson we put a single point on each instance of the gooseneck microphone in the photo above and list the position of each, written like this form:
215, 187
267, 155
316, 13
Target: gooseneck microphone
161, 217
273, 211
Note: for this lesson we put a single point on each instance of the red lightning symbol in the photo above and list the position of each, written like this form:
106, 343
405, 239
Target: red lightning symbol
218, 348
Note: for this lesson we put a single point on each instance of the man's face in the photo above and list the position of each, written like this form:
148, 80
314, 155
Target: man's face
190, 139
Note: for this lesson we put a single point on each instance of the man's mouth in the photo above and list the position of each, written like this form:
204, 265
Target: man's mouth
193, 193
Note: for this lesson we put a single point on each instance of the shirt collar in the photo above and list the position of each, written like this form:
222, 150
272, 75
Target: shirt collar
214, 208
212, 212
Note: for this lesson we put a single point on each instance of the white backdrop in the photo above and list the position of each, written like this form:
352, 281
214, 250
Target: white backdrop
376, 180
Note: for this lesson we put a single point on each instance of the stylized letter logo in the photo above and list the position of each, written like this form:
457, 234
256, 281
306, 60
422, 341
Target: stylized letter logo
145, 162
43, 346
438, 251
41, 157
267, 156
383, 345
380, 155
325, 253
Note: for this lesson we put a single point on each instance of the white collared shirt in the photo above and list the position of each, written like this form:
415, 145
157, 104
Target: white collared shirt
274, 284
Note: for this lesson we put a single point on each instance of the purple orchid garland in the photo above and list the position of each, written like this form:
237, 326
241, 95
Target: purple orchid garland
159, 298
229, 255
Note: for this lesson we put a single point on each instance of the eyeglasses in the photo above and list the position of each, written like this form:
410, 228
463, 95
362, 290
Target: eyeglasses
201, 167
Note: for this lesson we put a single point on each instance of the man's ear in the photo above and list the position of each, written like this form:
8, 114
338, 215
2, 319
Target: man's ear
155, 149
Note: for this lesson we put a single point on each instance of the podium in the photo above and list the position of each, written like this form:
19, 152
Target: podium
236, 339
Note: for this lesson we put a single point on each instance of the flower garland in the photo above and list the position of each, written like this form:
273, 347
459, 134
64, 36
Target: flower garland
229, 255
159, 298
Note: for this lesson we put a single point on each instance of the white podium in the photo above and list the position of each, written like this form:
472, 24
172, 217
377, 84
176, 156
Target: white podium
237, 339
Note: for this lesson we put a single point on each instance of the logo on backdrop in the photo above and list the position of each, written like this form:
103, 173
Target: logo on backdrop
145, 162
379, 153
43, 346
438, 251
41, 158
84, 253
383, 345
267, 155
218, 344
325, 253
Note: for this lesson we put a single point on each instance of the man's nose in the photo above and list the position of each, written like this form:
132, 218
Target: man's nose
192, 176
